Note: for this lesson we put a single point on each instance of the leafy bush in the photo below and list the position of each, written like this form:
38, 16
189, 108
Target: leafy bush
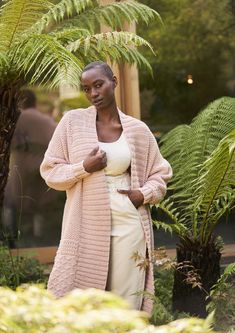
15, 270
33, 309
163, 282
222, 300
162, 309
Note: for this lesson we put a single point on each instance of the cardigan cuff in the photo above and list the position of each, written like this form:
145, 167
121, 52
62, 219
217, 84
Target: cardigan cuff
79, 170
147, 193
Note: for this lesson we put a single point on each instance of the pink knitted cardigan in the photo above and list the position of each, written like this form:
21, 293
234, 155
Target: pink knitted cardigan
82, 259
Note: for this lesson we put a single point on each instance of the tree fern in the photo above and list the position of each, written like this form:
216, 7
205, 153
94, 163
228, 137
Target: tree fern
40, 50
16, 17
215, 187
202, 188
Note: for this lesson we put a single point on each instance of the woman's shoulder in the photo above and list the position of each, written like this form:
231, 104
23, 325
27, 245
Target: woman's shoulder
75, 116
78, 113
135, 124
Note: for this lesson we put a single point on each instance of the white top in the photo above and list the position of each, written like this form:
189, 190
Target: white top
118, 156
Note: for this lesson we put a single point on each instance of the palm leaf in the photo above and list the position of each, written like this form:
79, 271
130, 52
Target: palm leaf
16, 17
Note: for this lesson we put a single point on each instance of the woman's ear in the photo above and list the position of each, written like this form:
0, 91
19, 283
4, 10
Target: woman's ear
115, 81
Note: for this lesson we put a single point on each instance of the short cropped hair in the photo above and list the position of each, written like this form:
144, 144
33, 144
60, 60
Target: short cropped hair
107, 71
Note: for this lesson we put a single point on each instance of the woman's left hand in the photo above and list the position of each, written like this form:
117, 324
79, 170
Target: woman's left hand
135, 196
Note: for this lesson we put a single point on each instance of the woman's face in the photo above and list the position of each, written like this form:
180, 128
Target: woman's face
99, 88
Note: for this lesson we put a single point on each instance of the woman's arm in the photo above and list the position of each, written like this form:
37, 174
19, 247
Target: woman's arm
159, 172
56, 168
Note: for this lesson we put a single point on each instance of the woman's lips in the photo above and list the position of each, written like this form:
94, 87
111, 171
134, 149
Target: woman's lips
97, 102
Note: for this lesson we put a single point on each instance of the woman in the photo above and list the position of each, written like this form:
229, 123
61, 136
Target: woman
110, 166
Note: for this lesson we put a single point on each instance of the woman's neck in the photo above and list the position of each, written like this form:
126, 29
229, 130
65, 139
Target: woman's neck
108, 115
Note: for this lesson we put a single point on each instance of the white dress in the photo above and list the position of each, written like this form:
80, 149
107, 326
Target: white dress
127, 236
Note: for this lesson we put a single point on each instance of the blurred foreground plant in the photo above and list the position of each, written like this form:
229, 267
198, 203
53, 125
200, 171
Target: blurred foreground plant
33, 309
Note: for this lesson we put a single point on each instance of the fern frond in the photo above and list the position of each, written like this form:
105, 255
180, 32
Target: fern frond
196, 143
68, 35
115, 45
16, 17
115, 14
50, 62
171, 228
171, 145
216, 185
61, 11
4, 64
92, 14
229, 271
167, 207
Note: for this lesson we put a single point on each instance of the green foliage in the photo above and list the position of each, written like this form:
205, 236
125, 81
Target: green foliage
203, 159
196, 38
74, 103
222, 300
49, 44
15, 270
35, 310
162, 309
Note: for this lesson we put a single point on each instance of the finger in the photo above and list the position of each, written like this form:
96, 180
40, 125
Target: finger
124, 191
94, 151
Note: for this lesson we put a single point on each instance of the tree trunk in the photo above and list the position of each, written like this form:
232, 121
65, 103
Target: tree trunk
9, 114
206, 261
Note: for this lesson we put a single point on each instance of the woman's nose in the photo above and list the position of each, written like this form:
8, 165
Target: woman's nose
94, 93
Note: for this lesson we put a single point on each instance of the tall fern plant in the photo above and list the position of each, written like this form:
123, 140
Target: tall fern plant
48, 44
202, 155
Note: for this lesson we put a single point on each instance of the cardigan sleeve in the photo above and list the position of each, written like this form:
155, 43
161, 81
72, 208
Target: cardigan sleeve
56, 168
159, 172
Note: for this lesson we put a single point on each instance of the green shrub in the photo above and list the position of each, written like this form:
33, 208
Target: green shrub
15, 270
74, 103
33, 309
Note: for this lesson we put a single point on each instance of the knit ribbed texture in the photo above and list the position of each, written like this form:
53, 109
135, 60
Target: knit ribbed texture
82, 259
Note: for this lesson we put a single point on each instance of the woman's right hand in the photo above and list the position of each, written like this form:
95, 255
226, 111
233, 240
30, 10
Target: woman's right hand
96, 160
